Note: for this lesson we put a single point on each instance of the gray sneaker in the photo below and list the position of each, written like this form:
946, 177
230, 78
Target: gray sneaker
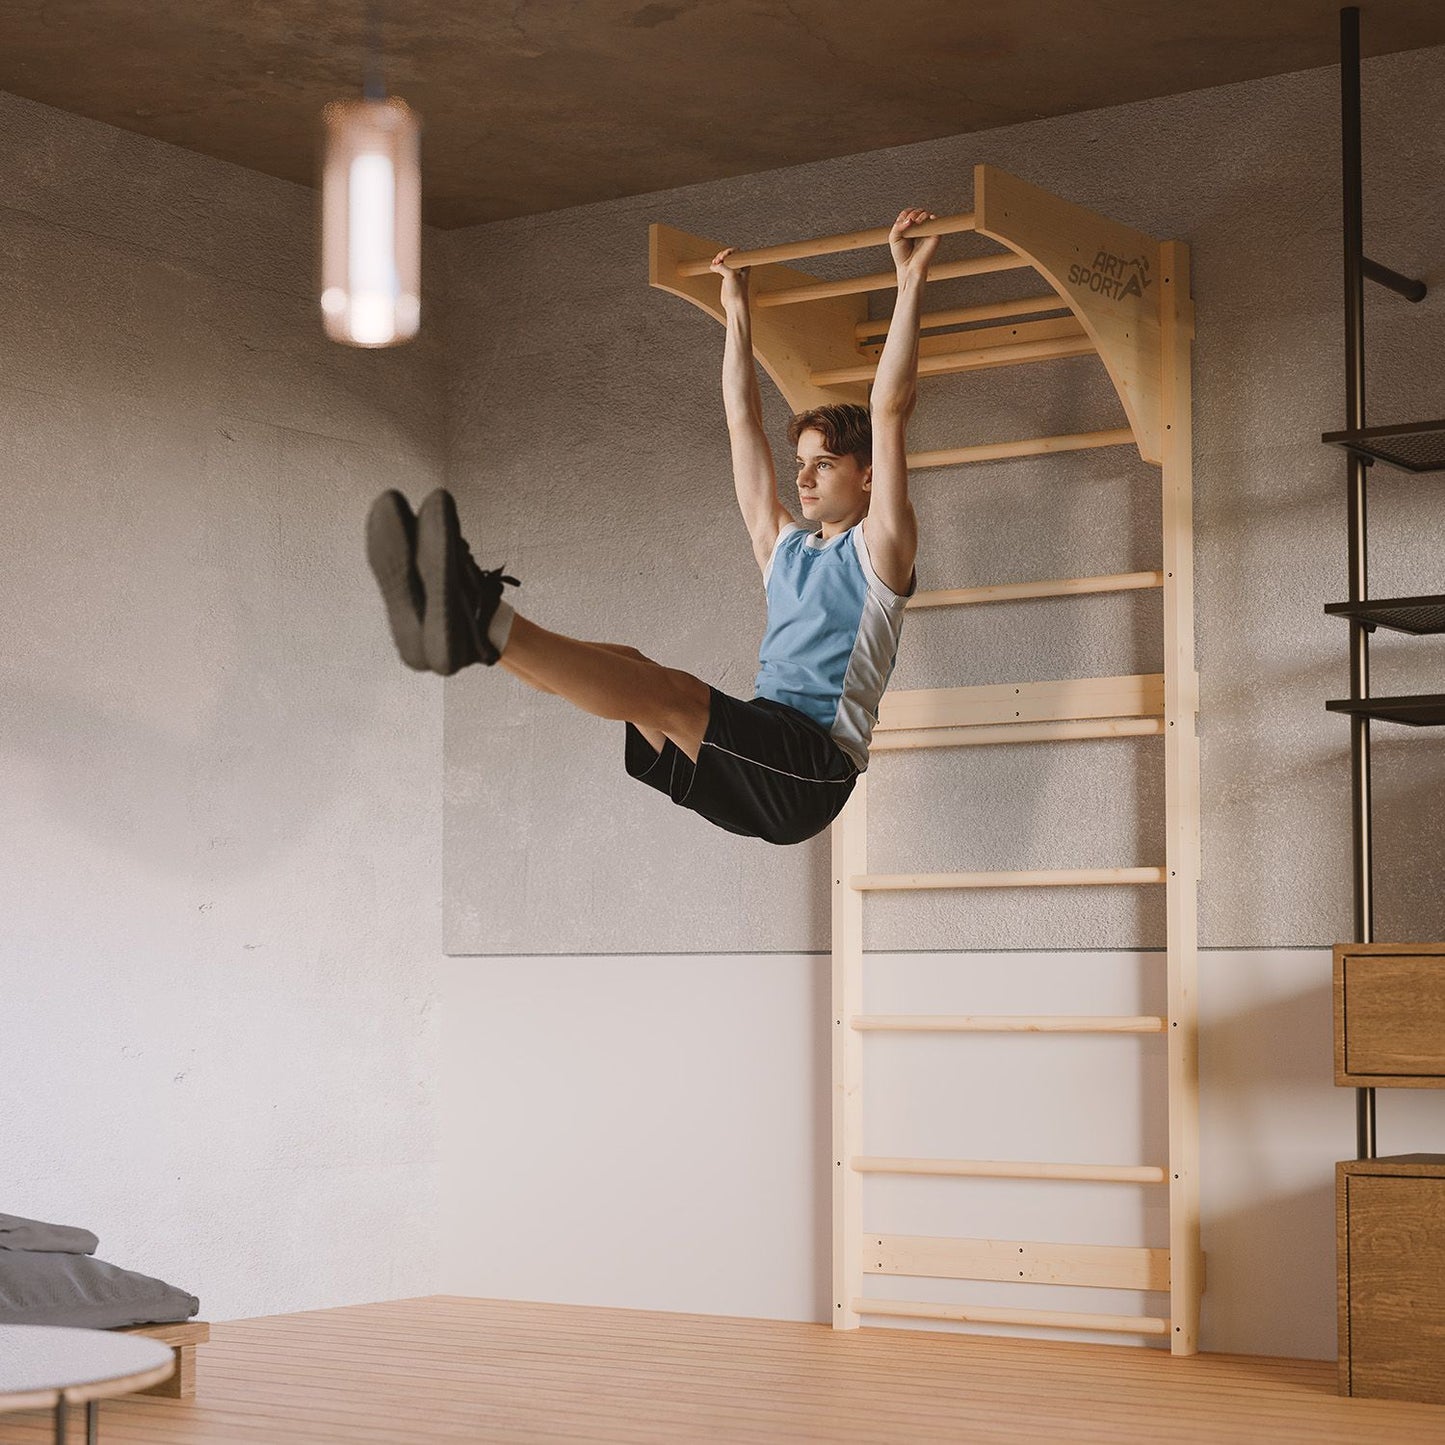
391, 551
461, 597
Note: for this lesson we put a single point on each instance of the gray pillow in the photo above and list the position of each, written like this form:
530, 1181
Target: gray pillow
52, 1288
18, 1233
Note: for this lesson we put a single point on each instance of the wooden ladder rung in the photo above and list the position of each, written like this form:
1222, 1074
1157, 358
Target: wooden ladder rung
1014, 1169
1026, 878
1054, 587
831, 245
911, 739
1026, 341
886, 280
1042, 1319
966, 315
1030, 447
1009, 1023
1089, 1266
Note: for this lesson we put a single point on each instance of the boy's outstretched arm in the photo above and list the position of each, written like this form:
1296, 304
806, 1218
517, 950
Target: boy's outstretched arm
891, 526
753, 474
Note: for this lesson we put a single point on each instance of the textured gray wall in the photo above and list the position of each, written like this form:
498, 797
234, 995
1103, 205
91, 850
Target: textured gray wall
219, 839
590, 454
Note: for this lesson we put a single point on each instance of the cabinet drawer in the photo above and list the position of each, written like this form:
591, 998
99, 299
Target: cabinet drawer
1390, 1015
1391, 1221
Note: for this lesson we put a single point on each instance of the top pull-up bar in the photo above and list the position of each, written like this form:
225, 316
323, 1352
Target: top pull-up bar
829, 245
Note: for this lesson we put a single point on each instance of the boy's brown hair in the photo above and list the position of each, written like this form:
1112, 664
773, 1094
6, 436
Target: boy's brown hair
847, 430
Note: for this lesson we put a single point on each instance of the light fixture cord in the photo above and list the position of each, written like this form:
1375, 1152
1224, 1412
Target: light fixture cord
373, 86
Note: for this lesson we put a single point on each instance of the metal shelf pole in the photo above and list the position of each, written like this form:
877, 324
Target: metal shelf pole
1353, 188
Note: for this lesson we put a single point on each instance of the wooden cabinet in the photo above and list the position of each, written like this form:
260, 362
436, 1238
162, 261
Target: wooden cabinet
1390, 1214
1390, 1015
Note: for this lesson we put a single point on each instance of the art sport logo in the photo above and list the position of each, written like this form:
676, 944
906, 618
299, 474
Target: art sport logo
1115, 277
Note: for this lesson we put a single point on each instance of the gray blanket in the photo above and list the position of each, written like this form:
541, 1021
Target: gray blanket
52, 1288
18, 1233
47, 1277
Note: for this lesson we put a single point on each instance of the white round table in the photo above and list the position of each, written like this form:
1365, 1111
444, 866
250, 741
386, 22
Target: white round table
44, 1367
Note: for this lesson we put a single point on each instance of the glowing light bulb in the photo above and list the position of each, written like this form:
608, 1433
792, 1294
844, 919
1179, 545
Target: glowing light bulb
371, 222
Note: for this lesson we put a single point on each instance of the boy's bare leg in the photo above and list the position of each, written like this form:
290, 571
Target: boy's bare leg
611, 681
655, 739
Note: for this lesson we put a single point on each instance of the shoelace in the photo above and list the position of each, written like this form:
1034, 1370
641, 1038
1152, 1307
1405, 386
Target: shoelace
495, 573
483, 574
483, 579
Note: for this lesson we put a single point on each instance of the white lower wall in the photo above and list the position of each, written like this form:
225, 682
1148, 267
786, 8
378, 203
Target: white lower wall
655, 1132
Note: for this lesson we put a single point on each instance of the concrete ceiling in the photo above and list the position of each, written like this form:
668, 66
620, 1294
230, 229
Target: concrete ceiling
531, 105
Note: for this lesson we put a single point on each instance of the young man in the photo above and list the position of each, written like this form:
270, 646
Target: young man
779, 767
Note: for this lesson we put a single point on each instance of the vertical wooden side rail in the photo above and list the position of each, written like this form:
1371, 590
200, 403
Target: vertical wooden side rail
850, 859
1181, 795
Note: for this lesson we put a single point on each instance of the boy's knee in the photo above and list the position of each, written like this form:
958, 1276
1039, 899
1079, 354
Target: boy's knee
689, 700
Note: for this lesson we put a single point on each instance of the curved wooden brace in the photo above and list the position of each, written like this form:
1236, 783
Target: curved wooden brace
791, 342
1109, 274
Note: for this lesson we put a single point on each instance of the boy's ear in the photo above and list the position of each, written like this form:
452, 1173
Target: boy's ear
868, 478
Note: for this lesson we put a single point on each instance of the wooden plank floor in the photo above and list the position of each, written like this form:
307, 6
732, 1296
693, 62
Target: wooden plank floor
452, 1369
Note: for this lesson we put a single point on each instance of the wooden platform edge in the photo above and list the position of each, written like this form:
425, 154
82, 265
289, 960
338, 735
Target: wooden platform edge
183, 1336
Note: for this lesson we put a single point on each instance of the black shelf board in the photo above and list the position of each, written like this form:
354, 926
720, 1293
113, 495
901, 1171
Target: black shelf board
1424, 711
1413, 447
1418, 615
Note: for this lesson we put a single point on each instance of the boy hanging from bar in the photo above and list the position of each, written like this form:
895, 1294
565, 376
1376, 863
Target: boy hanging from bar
781, 766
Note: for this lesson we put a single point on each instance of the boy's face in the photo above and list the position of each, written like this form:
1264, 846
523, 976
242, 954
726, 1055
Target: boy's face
831, 488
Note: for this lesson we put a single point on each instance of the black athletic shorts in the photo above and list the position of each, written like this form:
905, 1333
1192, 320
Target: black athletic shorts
764, 770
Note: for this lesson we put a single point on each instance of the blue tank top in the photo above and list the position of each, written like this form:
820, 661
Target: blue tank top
832, 634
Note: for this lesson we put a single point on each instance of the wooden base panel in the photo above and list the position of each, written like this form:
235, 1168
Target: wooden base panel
184, 1337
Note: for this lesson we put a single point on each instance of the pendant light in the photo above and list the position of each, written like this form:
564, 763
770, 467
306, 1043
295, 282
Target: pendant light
371, 213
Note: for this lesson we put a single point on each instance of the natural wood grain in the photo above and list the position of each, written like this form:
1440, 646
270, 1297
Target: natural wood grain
1019, 878
788, 345
1057, 700
1390, 1015
1010, 1023
1110, 275
768, 297
911, 739
1125, 296
1026, 341
965, 315
1026, 447
184, 1336
1092, 1266
996, 1315
1048, 587
849, 855
414, 1372
830, 245
1181, 767
1014, 1169
1390, 1218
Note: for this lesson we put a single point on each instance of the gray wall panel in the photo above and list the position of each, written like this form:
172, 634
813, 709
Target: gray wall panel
589, 451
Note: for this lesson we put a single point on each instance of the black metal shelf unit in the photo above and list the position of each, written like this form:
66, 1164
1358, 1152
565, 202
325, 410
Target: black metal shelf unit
1414, 447
1418, 446
1420, 711
1417, 615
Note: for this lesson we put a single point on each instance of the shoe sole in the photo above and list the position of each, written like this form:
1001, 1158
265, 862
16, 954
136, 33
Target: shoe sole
390, 550
438, 533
